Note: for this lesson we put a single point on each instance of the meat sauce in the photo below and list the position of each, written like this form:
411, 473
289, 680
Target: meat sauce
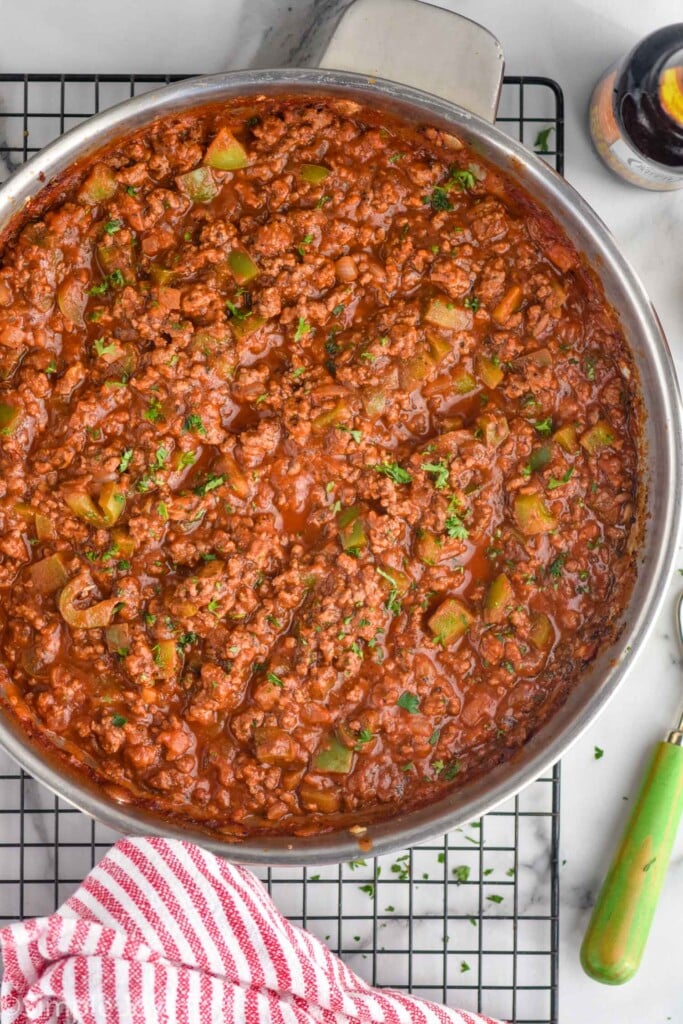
318, 466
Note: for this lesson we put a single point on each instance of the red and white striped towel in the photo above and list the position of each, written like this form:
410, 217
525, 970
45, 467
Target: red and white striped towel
162, 932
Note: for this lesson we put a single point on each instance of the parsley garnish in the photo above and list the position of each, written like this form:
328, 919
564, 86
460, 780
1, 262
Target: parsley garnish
438, 198
395, 472
187, 459
472, 302
119, 721
410, 702
51, 367
439, 470
275, 680
461, 873
301, 247
153, 413
185, 639
126, 459
598, 752
112, 226
302, 329
210, 484
357, 435
99, 289
131, 190
236, 313
193, 422
364, 736
553, 482
393, 604
544, 427
103, 349
117, 279
541, 143
555, 567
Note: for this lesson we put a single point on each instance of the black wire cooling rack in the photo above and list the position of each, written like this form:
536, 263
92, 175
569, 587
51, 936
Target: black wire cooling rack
471, 920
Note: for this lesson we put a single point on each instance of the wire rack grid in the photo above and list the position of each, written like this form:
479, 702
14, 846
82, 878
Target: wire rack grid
470, 920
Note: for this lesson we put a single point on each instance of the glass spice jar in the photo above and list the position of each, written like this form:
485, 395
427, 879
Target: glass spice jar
636, 112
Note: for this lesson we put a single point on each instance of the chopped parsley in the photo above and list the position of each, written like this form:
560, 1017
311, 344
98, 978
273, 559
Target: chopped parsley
455, 527
464, 178
99, 289
368, 888
434, 738
154, 411
185, 639
131, 190
438, 198
51, 367
193, 423
187, 459
494, 898
302, 329
103, 349
392, 604
410, 702
357, 435
598, 752
116, 279
338, 310
439, 470
303, 244
541, 143
472, 302
554, 482
556, 566
126, 459
364, 736
112, 226
210, 484
544, 427
275, 680
461, 873
119, 721
394, 472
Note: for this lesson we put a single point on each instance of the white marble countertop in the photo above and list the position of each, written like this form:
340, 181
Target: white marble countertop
571, 42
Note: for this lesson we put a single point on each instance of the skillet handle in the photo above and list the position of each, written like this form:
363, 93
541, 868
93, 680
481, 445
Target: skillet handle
423, 46
621, 919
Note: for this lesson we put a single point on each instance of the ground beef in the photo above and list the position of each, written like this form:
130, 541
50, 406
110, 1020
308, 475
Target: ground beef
318, 466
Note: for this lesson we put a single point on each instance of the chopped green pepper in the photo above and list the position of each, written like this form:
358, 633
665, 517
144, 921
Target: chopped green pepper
225, 153
450, 621
351, 529
489, 372
100, 185
494, 428
111, 502
463, 381
599, 436
198, 185
9, 414
332, 756
532, 515
566, 438
499, 599
315, 173
49, 574
541, 633
118, 638
428, 547
72, 298
444, 313
242, 266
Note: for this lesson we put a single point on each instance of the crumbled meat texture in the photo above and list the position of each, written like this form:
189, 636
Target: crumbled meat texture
344, 457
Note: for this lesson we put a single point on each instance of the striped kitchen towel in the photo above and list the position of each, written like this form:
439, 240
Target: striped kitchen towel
162, 932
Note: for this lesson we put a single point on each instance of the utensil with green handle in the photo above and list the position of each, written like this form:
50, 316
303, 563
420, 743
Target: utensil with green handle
622, 916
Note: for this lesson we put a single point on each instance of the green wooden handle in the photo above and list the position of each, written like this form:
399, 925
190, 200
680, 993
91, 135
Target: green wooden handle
621, 919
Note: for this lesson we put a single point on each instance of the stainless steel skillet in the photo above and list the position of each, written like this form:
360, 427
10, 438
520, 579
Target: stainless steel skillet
444, 61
